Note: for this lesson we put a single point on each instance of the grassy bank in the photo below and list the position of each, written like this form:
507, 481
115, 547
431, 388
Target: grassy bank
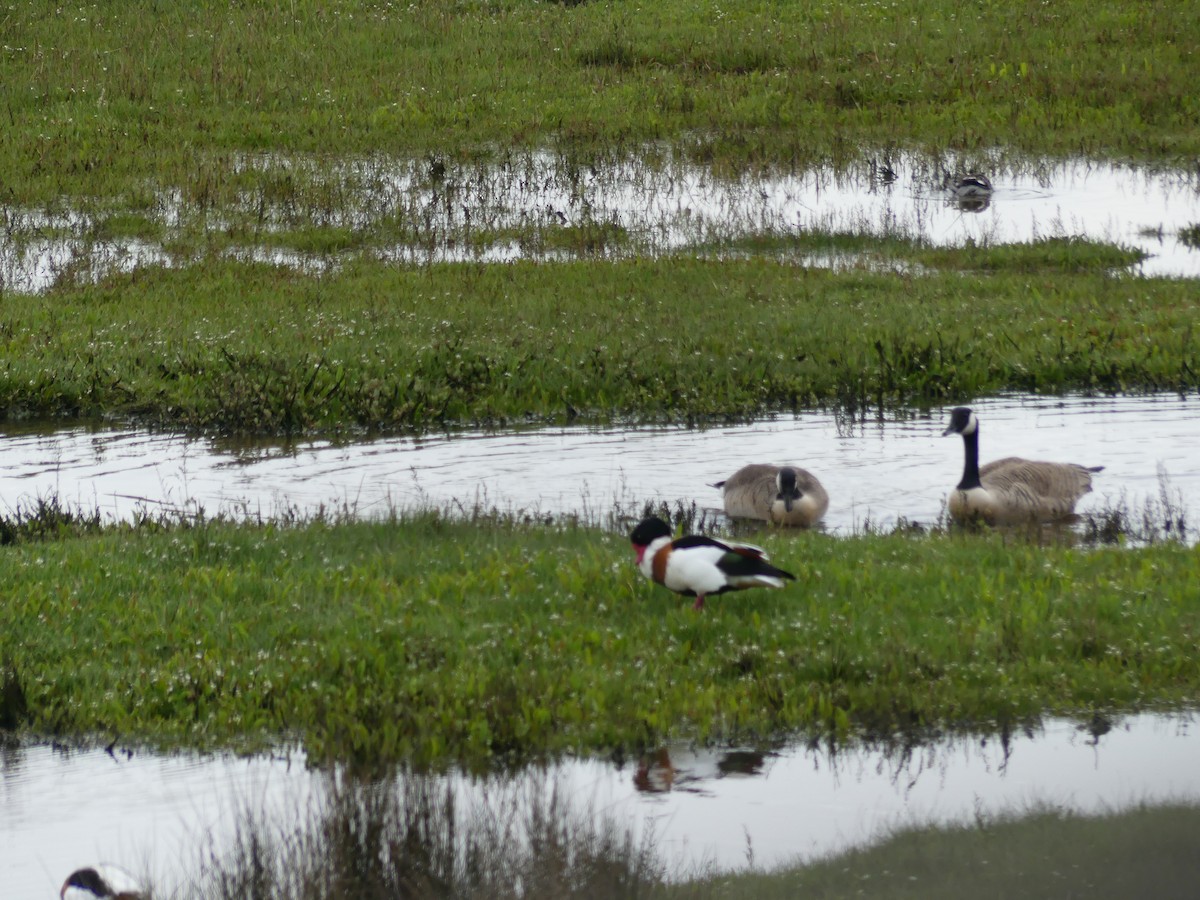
430, 640
226, 347
738, 84
1046, 854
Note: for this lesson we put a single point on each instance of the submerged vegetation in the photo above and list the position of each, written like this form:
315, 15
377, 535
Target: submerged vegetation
427, 640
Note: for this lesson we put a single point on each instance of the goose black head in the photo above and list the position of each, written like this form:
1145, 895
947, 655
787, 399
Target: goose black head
962, 421
785, 480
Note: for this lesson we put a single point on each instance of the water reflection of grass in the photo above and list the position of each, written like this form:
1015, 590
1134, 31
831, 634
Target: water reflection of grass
431, 639
415, 840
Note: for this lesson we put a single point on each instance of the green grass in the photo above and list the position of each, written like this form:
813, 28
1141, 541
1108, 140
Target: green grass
736, 85
1048, 853
227, 347
434, 641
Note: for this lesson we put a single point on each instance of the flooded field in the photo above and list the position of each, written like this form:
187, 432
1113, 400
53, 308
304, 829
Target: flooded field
541, 206
877, 470
161, 815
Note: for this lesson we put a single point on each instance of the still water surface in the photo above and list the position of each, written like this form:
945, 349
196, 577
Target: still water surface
156, 815
890, 466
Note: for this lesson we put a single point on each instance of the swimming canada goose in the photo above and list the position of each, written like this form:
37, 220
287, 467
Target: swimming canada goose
782, 495
102, 882
697, 566
1012, 489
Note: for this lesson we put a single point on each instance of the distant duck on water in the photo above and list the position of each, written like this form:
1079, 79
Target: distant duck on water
973, 185
970, 193
782, 495
1012, 490
697, 566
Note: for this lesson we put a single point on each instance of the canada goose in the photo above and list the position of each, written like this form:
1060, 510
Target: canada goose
783, 495
697, 566
102, 882
1012, 489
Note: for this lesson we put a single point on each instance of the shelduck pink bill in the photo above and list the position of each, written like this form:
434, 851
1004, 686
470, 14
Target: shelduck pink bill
697, 566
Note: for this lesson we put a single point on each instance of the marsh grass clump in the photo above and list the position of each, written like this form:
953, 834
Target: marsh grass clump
13, 707
411, 837
47, 519
1155, 520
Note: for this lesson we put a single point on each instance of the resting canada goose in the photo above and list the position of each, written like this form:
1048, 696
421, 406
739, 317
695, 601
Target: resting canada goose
1012, 489
696, 565
782, 495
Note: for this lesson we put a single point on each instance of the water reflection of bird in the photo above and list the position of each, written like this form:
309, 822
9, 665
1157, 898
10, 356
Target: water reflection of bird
655, 773
667, 769
102, 882
697, 565
782, 495
1012, 490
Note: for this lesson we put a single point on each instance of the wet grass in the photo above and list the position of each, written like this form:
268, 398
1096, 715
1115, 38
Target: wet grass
430, 640
1046, 853
371, 347
1051, 256
734, 86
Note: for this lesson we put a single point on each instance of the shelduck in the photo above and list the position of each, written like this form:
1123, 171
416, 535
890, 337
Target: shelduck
698, 566
101, 882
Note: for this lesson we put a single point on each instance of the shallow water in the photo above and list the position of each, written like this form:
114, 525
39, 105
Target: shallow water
891, 466
155, 815
655, 207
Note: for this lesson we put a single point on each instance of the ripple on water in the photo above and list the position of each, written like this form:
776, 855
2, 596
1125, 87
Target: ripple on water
889, 466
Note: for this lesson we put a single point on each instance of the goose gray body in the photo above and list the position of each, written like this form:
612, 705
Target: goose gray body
782, 495
1012, 490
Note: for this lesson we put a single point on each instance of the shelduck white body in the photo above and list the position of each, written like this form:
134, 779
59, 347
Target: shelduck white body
1012, 490
782, 495
696, 565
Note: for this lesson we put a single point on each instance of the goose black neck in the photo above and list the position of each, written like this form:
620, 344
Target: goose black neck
970, 478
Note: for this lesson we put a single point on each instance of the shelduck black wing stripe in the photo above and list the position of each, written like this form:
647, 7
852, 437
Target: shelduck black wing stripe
742, 564
697, 540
